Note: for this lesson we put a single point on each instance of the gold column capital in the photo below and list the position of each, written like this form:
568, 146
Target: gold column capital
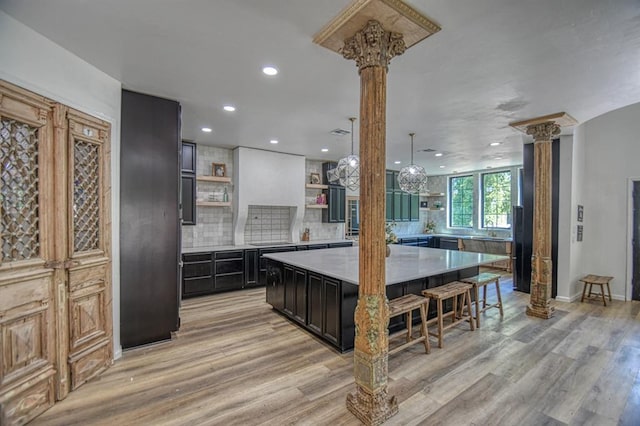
543, 132
373, 46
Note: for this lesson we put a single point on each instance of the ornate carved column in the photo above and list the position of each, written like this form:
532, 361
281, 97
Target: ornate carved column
374, 43
372, 48
543, 130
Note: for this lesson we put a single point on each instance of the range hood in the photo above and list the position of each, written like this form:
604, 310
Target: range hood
267, 178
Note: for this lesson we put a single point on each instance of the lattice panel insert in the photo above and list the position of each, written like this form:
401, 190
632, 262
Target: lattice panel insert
86, 196
19, 191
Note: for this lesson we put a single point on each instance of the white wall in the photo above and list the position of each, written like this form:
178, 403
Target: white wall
606, 156
266, 178
34, 62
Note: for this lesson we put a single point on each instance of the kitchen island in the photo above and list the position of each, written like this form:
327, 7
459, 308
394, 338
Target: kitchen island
319, 290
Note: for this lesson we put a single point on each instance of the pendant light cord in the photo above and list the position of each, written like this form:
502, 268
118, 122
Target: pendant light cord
412, 135
352, 119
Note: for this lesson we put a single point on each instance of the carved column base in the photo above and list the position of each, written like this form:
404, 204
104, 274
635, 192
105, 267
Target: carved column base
544, 312
372, 409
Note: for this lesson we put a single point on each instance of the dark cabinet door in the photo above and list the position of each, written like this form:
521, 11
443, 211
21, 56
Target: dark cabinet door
289, 290
229, 270
250, 268
275, 284
331, 310
315, 306
300, 310
188, 200
344, 244
295, 293
335, 211
397, 206
188, 157
188, 183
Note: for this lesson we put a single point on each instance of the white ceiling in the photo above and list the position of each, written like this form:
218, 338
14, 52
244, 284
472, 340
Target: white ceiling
493, 62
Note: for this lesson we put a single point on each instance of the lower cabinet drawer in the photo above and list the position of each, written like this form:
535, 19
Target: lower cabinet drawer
197, 269
229, 266
229, 281
197, 286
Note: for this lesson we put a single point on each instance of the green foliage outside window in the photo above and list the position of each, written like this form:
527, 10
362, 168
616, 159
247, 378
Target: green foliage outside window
461, 202
496, 200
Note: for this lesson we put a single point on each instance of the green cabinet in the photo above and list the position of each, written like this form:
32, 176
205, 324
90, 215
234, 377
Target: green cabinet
400, 206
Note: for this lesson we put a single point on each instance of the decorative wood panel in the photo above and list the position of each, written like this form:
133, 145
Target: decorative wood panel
28, 400
55, 266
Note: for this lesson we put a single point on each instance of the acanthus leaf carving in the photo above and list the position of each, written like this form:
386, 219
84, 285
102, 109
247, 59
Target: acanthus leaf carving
543, 131
373, 46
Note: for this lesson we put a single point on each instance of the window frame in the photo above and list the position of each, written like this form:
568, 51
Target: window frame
451, 205
482, 203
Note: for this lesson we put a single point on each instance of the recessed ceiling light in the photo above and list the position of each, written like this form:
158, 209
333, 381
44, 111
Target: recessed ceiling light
498, 158
494, 143
442, 167
229, 108
206, 129
489, 167
397, 162
325, 150
270, 70
439, 154
273, 141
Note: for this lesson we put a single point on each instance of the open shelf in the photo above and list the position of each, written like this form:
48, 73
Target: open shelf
214, 179
213, 203
432, 208
316, 206
433, 194
316, 186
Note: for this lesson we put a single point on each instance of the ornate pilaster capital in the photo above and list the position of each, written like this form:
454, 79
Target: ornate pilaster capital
373, 46
542, 132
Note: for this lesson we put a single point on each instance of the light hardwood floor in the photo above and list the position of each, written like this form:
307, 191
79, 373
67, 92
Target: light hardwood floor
235, 362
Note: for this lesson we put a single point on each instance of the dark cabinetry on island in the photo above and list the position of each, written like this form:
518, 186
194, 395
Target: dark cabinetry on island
325, 305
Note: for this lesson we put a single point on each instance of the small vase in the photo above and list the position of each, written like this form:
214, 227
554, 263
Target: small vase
388, 250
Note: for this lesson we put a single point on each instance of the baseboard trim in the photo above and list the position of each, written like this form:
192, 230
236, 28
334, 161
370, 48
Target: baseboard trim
578, 296
117, 354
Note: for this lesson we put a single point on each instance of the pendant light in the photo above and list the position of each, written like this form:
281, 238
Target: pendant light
412, 178
349, 167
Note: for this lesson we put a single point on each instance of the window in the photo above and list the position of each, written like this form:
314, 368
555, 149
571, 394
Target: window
496, 200
461, 202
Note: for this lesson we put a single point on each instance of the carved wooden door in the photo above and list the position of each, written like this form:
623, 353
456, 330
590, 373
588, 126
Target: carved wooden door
55, 300
84, 250
27, 288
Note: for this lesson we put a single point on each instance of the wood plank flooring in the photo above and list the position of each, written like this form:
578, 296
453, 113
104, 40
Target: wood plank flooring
236, 362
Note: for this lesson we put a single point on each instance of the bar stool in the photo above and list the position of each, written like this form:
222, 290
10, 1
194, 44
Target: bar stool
600, 280
481, 280
405, 305
452, 290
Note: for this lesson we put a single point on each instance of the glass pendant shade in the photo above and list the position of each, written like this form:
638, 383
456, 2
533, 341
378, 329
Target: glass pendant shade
348, 169
412, 178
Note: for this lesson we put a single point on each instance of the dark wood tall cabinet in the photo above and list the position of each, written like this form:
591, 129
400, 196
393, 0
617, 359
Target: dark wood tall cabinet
523, 235
149, 219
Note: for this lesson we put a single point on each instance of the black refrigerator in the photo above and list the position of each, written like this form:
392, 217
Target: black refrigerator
522, 222
522, 251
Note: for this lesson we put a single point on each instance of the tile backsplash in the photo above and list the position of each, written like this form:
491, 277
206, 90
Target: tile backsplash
268, 224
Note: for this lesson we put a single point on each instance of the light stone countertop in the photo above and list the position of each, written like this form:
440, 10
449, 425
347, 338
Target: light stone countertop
405, 263
204, 249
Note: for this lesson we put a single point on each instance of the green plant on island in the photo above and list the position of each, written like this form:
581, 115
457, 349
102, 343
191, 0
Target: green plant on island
429, 226
390, 236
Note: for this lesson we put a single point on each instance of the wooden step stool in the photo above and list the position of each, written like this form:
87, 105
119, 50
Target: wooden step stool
590, 280
405, 305
452, 290
481, 280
